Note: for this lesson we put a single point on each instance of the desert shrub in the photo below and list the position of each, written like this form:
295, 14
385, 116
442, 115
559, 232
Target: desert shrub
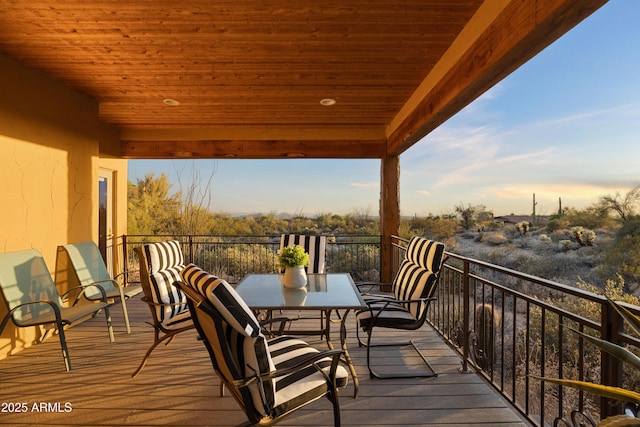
583, 236
233, 262
431, 227
523, 227
623, 256
557, 223
495, 239
591, 217
363, 261
544, 238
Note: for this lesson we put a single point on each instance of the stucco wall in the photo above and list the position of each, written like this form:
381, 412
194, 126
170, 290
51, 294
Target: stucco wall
50, 139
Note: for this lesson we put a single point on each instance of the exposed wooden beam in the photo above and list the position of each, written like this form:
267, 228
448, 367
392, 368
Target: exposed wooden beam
517, 31
252, 132
257, 149
389, 212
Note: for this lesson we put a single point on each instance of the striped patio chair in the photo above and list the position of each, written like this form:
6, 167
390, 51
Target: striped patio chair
316, 247
160, 266
269, 378
406, 307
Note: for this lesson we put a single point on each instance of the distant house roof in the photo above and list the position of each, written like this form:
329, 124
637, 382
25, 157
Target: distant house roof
514, 219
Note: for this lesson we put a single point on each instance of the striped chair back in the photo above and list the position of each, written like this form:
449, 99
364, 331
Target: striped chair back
269, 378
315, 246
165, 262
241, 350
418, 273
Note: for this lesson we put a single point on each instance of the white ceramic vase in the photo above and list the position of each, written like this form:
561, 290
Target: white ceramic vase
295, 277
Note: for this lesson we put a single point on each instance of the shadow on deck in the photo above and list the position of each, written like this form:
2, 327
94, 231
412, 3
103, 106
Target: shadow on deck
178, 385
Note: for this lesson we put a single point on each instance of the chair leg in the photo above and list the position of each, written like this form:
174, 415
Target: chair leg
156, 341
373, 374
63, 344
125, 313
107, 314
333, 397
169, 337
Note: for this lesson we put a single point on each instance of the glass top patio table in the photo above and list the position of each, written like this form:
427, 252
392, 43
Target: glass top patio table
322, 292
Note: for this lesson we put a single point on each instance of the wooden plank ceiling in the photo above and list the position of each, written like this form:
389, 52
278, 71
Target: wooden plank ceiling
250, 75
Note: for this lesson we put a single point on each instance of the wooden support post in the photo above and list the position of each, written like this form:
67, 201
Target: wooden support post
389, 211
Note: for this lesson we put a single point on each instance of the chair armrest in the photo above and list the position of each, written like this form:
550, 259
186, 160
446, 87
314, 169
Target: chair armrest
283, 323
9, 315
81, 290
376, 312
114, 281
310, 360
125, 284
370, 286
162, 304
388, 301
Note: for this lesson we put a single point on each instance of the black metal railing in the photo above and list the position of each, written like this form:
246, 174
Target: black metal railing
233, 257
511, 327
506, 325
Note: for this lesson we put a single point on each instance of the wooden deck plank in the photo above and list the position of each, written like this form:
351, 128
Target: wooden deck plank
178, 385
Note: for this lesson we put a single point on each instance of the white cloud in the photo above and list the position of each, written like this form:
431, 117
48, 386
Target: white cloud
365, 185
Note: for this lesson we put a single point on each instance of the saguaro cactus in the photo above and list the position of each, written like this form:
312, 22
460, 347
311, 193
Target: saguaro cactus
485, 325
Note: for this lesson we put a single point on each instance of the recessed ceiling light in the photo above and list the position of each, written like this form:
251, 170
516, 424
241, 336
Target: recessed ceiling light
171, 102
327, 102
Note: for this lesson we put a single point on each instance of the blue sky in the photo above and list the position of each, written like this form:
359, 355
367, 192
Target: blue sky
565, 125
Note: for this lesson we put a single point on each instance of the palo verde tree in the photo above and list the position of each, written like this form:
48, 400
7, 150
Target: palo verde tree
625, 207
151, 207
471, 215
194, 193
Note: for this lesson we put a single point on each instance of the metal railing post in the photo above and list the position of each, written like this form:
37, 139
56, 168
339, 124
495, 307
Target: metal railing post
191, 248
466, 318
125, 260
611, 367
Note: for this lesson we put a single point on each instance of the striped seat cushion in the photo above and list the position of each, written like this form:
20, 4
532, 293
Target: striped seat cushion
177, 321
251, 354
166, 261
295, 389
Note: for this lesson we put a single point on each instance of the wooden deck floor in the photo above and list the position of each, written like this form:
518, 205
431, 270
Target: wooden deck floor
178, 385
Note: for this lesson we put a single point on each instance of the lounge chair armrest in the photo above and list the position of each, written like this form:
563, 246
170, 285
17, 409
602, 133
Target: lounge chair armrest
81, 289
114, 281
9, 315
117, 276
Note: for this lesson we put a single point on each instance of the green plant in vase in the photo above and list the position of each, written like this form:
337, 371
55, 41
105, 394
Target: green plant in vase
293, 256
294, 259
